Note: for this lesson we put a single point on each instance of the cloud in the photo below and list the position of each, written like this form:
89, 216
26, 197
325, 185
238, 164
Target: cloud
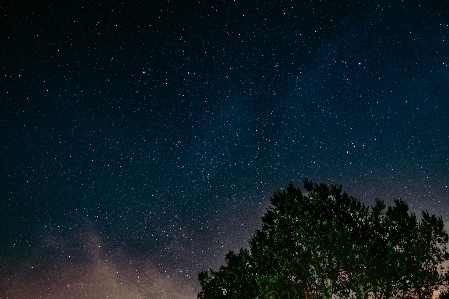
80, 268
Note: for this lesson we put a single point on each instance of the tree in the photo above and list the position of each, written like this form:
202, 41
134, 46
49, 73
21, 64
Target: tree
235, 280
327, 244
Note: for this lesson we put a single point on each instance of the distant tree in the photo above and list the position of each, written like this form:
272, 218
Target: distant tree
235, 280
327, 244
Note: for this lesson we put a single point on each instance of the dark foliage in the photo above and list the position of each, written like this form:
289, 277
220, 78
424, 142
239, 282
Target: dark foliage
328, 244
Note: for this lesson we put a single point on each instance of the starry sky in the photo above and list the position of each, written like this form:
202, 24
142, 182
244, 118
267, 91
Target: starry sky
140, 141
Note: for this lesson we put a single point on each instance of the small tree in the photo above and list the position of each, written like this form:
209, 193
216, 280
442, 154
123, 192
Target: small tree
235, 280
327, 244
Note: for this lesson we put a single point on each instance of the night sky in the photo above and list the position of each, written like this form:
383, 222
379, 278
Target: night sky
139, 142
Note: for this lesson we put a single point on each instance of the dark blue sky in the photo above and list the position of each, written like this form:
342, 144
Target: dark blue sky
159, 131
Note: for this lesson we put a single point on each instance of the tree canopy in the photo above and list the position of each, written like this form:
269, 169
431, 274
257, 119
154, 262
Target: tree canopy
324, 243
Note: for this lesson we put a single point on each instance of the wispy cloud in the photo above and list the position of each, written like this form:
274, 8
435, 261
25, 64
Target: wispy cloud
81, 268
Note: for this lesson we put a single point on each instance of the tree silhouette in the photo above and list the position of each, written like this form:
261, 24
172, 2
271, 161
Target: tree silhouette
327, 244
235, 280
